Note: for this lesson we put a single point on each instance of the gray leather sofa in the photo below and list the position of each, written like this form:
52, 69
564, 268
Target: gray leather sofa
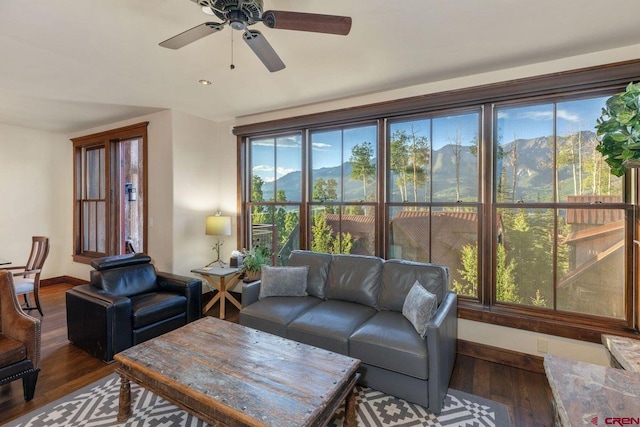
354, 307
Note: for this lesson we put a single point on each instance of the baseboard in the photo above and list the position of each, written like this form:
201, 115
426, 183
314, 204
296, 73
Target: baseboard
502, 356
62, 279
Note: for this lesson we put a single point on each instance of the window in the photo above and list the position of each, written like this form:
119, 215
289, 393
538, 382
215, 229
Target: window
501, 183
275, 194
344, 189
433, 191
562, 216
110, 193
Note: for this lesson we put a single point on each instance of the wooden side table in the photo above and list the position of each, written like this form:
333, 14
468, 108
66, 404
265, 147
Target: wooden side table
220, 279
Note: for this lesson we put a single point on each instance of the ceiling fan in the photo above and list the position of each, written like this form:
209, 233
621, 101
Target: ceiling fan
241, 14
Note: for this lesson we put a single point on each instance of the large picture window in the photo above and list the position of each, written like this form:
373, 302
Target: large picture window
502, 184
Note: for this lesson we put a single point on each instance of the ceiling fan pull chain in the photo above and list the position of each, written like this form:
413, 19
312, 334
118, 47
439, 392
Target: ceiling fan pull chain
233, 67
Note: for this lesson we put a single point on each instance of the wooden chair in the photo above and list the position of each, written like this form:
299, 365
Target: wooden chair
20, 336
28, 280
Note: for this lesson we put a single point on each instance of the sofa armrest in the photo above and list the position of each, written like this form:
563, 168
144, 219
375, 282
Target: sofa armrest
250, 293
187, 286
442, 335
98, 321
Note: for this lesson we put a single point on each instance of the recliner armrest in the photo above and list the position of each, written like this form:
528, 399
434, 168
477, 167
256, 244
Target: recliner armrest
91, 292
250, 293
98, 321
187, 286
442, 336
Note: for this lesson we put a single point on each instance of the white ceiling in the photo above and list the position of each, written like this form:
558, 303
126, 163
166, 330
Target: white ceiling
69, 65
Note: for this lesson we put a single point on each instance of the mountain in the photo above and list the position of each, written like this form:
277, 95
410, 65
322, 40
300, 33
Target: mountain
533, 178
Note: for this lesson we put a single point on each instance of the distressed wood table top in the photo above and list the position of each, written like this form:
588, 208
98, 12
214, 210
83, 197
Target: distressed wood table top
585, 393
230, 375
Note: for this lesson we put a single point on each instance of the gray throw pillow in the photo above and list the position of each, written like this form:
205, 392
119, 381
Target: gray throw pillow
283, 281
419, 307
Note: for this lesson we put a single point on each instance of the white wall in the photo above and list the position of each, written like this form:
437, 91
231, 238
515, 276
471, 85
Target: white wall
36, 191
200, 165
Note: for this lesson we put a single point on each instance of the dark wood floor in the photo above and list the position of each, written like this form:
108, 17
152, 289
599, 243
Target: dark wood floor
66, 368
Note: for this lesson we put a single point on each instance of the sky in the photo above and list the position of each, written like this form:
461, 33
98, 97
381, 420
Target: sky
332, 147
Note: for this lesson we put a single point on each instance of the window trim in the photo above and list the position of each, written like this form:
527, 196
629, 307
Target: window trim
104, 139
610, 77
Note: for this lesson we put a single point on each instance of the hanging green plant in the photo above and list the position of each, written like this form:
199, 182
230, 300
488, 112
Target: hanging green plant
618, 130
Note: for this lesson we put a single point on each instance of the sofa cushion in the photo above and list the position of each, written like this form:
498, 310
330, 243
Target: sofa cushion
283, 281
398, 276
11, 351
153, 307
388, 340
275, 313
329, 324
355, 278
419, 307
318, 270
126, 281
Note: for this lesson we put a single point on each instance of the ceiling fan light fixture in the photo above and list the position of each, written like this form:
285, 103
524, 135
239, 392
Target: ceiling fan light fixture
208, 10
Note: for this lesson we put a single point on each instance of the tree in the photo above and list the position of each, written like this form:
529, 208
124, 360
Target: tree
258, 213
399, 161
457, 157
362, 164
506, 290
323, 239
418, 160
469, 272
320, 190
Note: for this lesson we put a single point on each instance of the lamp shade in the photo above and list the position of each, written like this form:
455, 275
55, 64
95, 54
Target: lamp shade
218, 225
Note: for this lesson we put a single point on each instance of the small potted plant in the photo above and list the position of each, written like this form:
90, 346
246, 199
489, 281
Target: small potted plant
618, 129
253, 260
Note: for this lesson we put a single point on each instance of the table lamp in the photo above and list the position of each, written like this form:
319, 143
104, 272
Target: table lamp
218, 225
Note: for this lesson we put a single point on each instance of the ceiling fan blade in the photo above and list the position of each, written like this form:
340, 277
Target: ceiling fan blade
329, 24
263, 50
189, 36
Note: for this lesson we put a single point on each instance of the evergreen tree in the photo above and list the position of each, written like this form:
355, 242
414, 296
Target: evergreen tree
323, 239
506, 289
258, 213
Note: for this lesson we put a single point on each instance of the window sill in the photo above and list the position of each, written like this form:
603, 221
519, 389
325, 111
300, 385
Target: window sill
545, 323
83, 259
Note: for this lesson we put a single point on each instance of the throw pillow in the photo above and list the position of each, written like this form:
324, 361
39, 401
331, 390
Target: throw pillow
283, 281
419, 307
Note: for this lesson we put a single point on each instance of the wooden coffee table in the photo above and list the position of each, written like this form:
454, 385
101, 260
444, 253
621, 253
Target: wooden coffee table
230, 375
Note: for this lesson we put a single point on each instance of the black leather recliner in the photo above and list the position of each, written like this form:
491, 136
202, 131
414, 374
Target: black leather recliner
128, 302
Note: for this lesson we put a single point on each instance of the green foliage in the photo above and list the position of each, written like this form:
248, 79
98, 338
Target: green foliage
254, 258
409, 156
364, 168
619, 129
323, 239
506, 289
538, 300
469, 272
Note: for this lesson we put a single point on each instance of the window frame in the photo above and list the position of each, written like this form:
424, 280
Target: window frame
605, 79
105, 140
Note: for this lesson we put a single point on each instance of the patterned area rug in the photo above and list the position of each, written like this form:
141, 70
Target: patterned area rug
97, 405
